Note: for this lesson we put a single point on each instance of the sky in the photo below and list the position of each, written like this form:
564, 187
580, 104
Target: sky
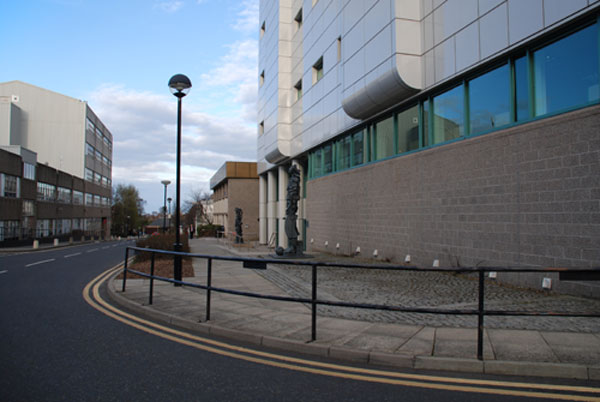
118, 55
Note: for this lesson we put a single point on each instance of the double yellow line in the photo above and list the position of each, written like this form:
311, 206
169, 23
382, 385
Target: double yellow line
92, 296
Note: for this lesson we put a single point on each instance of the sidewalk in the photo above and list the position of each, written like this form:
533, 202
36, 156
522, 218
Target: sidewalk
287, 326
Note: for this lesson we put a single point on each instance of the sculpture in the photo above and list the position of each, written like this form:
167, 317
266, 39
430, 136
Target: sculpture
291, 216
238, 226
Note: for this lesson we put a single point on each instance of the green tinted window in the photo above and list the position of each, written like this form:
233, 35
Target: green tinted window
448, 117
408, 130
566, 72
489, 100
384, 138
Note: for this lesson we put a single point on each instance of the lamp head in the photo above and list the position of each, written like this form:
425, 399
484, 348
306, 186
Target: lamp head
166, 182
180, 85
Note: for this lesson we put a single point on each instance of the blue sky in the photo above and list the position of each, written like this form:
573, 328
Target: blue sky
118, 55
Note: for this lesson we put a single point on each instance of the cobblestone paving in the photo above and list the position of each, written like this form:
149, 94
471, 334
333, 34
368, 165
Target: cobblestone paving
432, 289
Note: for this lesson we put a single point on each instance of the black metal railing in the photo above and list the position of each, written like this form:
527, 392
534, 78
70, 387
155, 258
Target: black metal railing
582, 273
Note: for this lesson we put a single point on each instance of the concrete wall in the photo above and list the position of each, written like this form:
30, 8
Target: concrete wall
528, 195
53, 125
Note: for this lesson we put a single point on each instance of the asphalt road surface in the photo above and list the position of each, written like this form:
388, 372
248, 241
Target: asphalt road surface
54, 346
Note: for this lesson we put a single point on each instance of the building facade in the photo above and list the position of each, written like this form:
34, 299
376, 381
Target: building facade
56, 161
235, 185
464, 131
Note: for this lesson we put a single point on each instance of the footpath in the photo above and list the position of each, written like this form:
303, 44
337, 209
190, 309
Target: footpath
563, 351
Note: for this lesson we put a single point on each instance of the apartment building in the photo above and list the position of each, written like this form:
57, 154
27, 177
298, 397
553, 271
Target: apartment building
464, 131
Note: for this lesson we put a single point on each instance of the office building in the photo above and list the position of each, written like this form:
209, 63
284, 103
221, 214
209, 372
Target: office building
56, 164
235, 185
464, 131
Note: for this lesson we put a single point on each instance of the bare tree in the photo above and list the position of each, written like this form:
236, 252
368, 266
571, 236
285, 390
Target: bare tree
193, 207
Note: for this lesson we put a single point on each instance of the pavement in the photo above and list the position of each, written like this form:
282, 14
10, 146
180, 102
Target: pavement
560, 347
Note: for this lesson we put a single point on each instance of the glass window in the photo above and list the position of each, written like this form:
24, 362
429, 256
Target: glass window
521, 89
426, 116
89, 125
408, 130
11, 186
566, 72
89, 199
298, 89
89, 174
384, 138
99, 134
46, 192
97, 200
28, 208
489, 100
77, 197
89, 150
97, 178
317, 71
327, 158
317, 163
28, 171
98, 155
358, 145
343, 152
64, 195
448, 115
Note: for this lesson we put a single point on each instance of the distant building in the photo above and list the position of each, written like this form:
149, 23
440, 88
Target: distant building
235, 185
459, 130
55, 166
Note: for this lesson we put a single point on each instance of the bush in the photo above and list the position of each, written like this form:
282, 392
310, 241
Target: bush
208, 230
161, 242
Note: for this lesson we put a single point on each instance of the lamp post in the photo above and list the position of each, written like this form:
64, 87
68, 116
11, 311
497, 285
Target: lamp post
179, 85
165, 183
169, 216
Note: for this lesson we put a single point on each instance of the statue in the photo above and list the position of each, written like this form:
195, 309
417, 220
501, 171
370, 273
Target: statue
291, 216
238, 226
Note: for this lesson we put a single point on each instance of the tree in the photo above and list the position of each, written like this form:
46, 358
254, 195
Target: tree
127, 210
193, 207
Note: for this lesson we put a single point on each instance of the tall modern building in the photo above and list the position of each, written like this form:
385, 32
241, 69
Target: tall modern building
464, 131
56, 161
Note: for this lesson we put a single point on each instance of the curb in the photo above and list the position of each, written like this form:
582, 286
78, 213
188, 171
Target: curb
394, 360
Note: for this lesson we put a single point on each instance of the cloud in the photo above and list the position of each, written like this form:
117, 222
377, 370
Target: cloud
144, 130
169, 6
247, 18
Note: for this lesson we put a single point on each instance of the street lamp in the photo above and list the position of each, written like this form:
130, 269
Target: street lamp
165, 183
169, 201
179, 85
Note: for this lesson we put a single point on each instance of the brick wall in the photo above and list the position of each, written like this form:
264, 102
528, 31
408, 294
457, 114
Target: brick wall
528, 195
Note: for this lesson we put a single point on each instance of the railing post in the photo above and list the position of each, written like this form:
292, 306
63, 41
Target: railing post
208, 284
480, 315
125, 267
313, 336
151, 278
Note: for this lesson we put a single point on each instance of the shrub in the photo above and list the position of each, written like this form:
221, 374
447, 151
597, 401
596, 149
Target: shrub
161, 242
208, 230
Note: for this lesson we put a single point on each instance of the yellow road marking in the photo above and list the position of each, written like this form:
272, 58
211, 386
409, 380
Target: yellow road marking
325, 368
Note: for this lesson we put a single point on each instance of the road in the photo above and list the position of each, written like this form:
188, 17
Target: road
54, 346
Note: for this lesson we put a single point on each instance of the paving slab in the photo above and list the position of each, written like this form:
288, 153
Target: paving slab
460, 342
382, 337
420, 344
515, 345
571, 347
